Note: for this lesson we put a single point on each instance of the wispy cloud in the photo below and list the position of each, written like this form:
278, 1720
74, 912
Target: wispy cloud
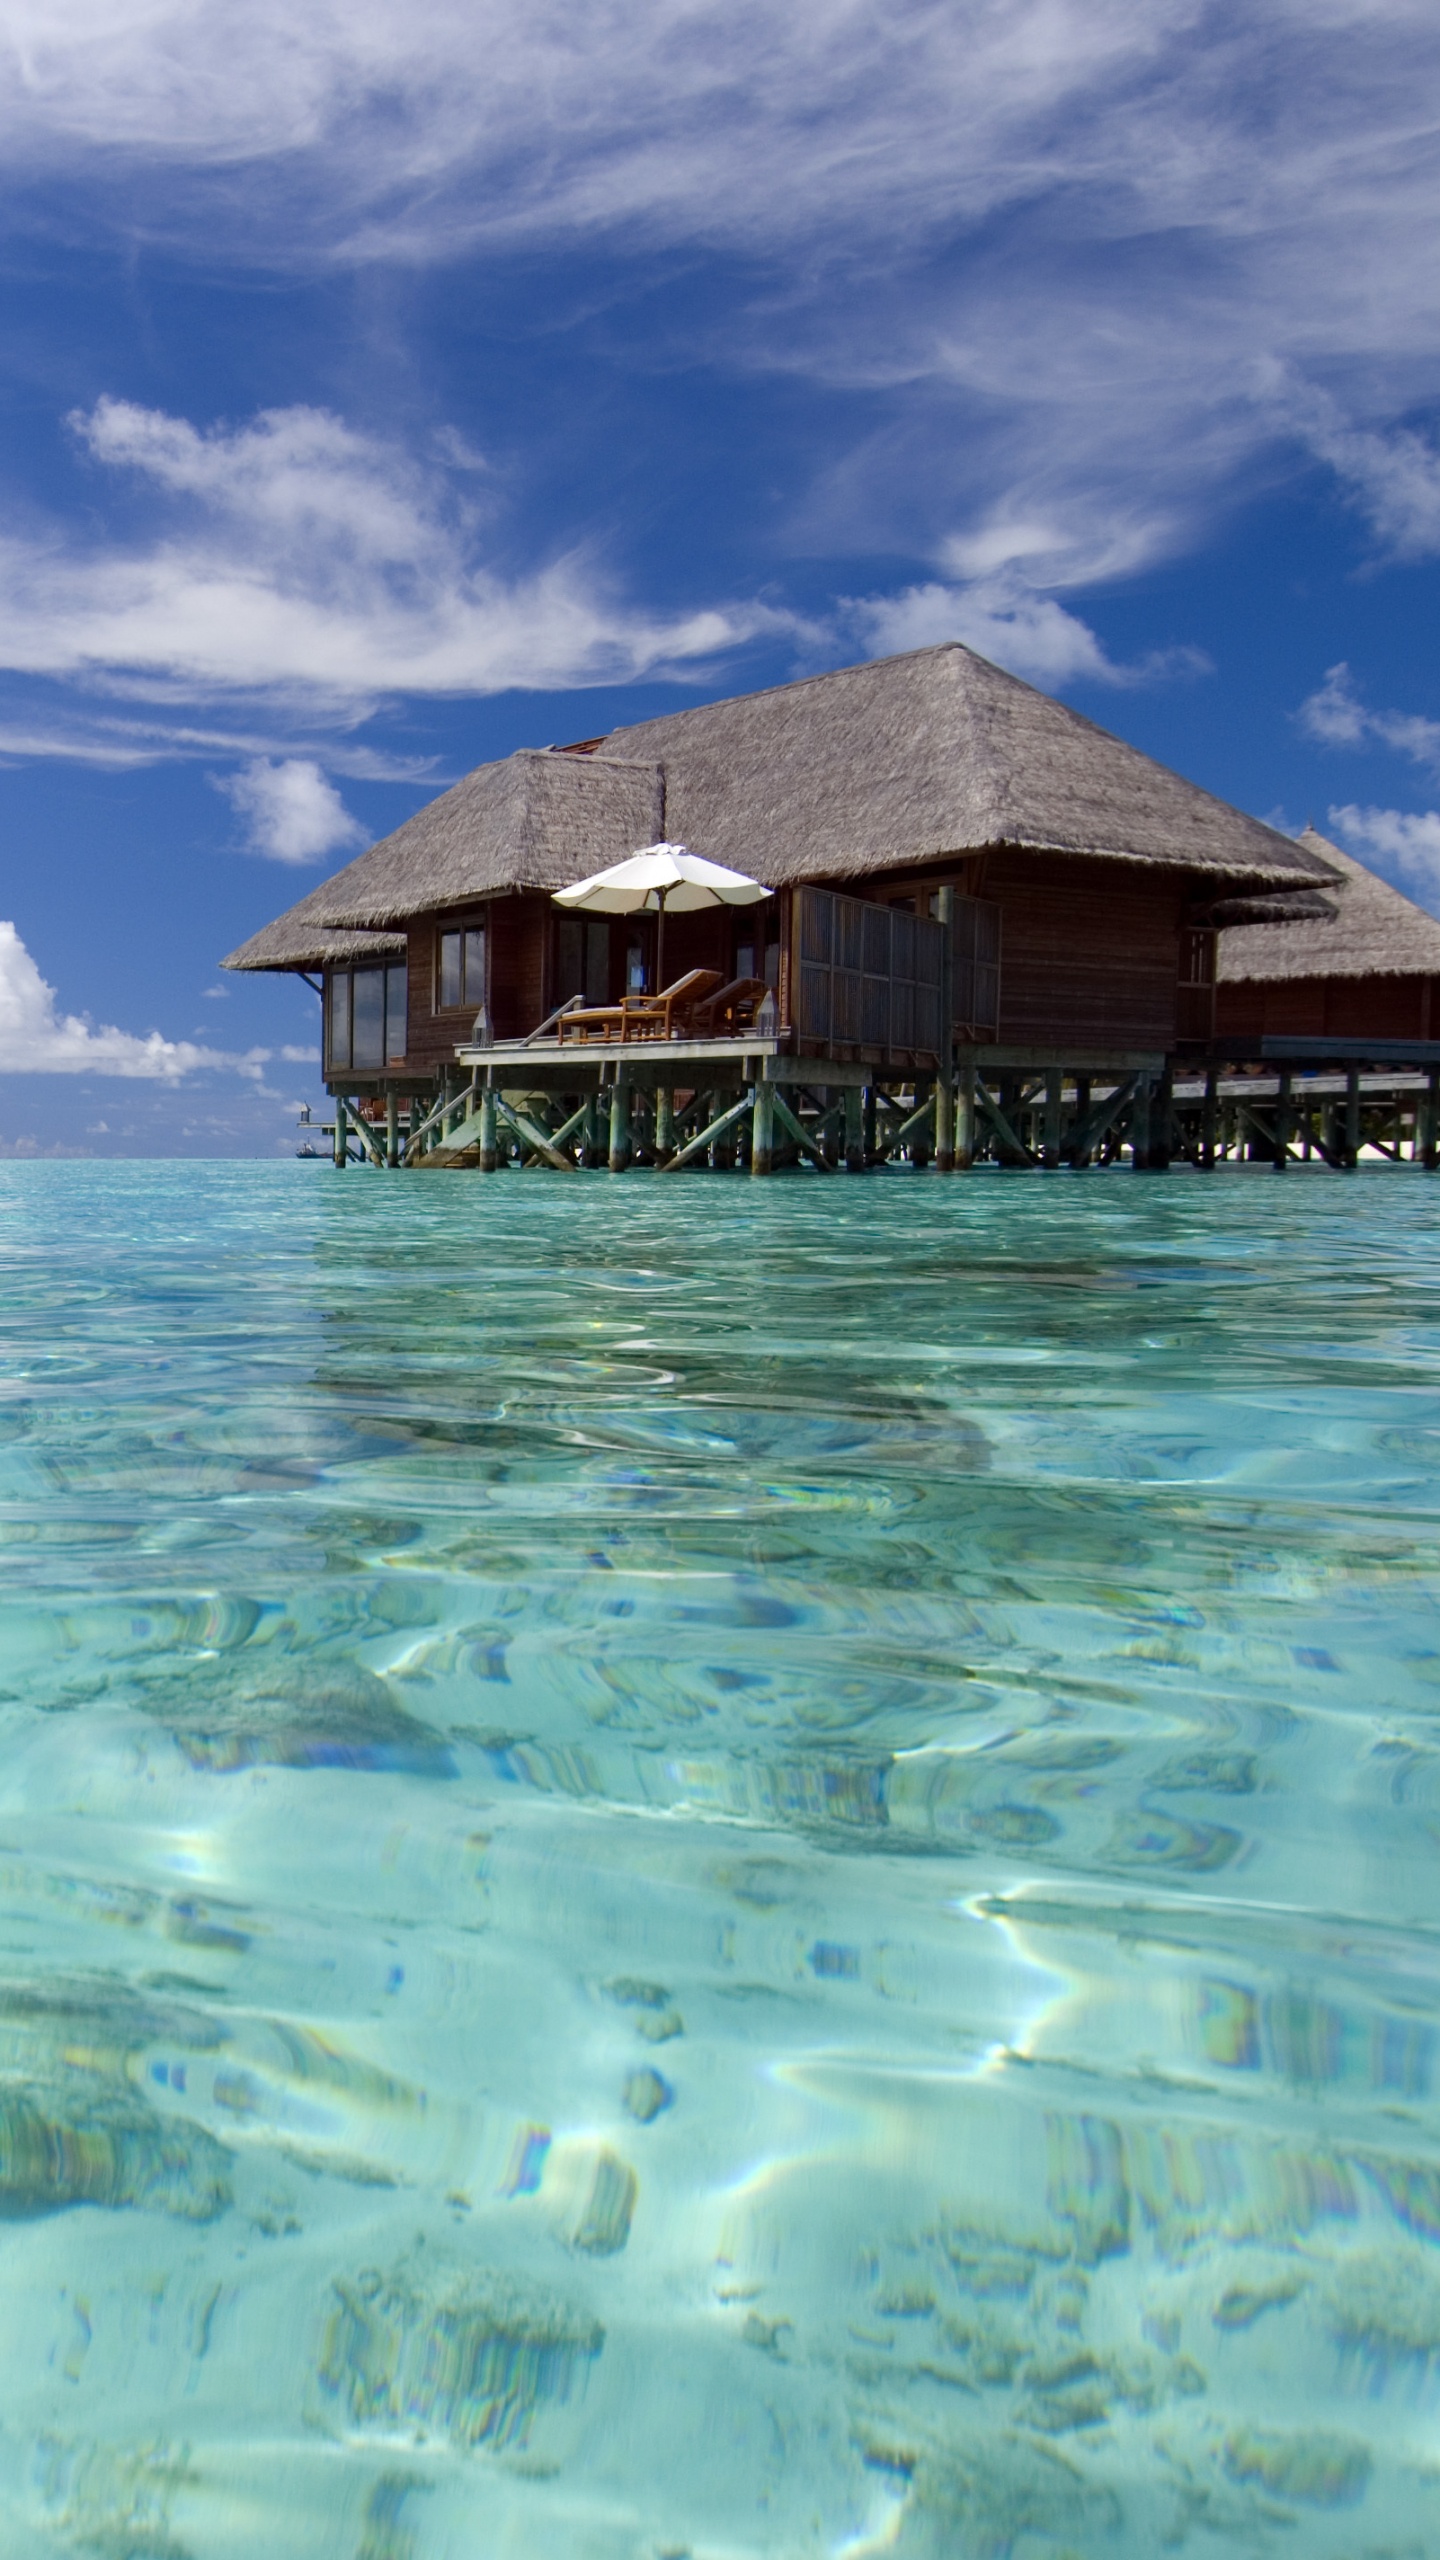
292, 812
1403, 843
37, 1039
1335, 716
1391, 475
1084, 273
297, 558
1006, 620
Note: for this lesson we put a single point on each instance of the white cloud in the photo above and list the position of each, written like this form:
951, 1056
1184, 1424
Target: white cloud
1335, 715
293, 813
1403, 843
301, 559
1031, 635
1391, 475
37, 1040
1101, 266
1007, 621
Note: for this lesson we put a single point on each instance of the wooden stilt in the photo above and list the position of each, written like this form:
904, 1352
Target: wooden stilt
965, 1119
1208, 1110
790, 1120
664, 1123
762, 1129
854, 1129
1162, 1121
1284, 1120
1075, 1149
869, 1126
707, 1137
1352, 1118
619, 1122
921, 1123
1140, 1126
342, 1134
1054, 1096
1431, 1143
392, 1129
944, 1124
489, 1134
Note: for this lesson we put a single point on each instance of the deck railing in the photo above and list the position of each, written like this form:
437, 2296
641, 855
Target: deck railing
865, 976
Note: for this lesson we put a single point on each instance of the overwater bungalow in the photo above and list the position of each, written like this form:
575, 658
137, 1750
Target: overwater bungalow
972, 888
1367, 971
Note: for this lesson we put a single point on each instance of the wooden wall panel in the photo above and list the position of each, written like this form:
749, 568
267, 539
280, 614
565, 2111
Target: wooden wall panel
1090, 951
1377, 1008
1326, 1008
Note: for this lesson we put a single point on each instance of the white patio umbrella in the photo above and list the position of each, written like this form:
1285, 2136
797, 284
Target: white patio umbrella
663, 879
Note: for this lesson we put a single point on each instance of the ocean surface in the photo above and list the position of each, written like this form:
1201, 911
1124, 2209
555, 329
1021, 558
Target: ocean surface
697, 1868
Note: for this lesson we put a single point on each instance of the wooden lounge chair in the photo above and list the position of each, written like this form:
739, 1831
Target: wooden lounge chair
730, 1009
662, 1017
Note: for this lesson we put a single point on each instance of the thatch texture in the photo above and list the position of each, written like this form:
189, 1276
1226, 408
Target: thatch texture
1374, 932
933, 753
299, 940
902, 762
532, 822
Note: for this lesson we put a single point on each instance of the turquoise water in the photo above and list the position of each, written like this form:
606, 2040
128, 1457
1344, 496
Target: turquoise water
690, 1868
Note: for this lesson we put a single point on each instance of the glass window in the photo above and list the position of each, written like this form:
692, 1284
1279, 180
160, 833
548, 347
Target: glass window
367, 1038
395, 977
635, 969
460, 978
582, 959
338, 1023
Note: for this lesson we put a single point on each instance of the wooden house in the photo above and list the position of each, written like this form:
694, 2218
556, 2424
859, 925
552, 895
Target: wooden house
1081, 884
1367, 970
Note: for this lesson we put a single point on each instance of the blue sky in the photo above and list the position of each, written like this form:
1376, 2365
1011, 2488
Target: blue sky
386, 386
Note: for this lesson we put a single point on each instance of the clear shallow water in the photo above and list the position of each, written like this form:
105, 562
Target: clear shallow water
701, 1870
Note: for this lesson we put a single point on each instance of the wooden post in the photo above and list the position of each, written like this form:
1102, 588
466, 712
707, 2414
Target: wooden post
1162, 1127
922, 1138
945, 1081
1074, 1151
965, 1119
1140, 1127
762, 1129
619, 1121
342, 1134
664, 1123
854, 1129
489, 1135
1207, 1118
944, 1125
869, 1122
590, 1129
392, 1129
1431, 1145
1352, 1118
1284, 1121
1054, 1096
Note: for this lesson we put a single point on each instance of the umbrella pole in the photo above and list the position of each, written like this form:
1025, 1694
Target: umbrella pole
659, 944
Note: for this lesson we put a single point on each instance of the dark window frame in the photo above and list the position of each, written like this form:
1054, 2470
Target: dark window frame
466, 934
394, 1017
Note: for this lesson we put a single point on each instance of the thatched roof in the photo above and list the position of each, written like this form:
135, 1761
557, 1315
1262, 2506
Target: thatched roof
936, 752
1375, 931
299, 940
532, 822
896, 763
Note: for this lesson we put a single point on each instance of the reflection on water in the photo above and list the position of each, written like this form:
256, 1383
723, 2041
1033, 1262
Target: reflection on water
693, 1872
